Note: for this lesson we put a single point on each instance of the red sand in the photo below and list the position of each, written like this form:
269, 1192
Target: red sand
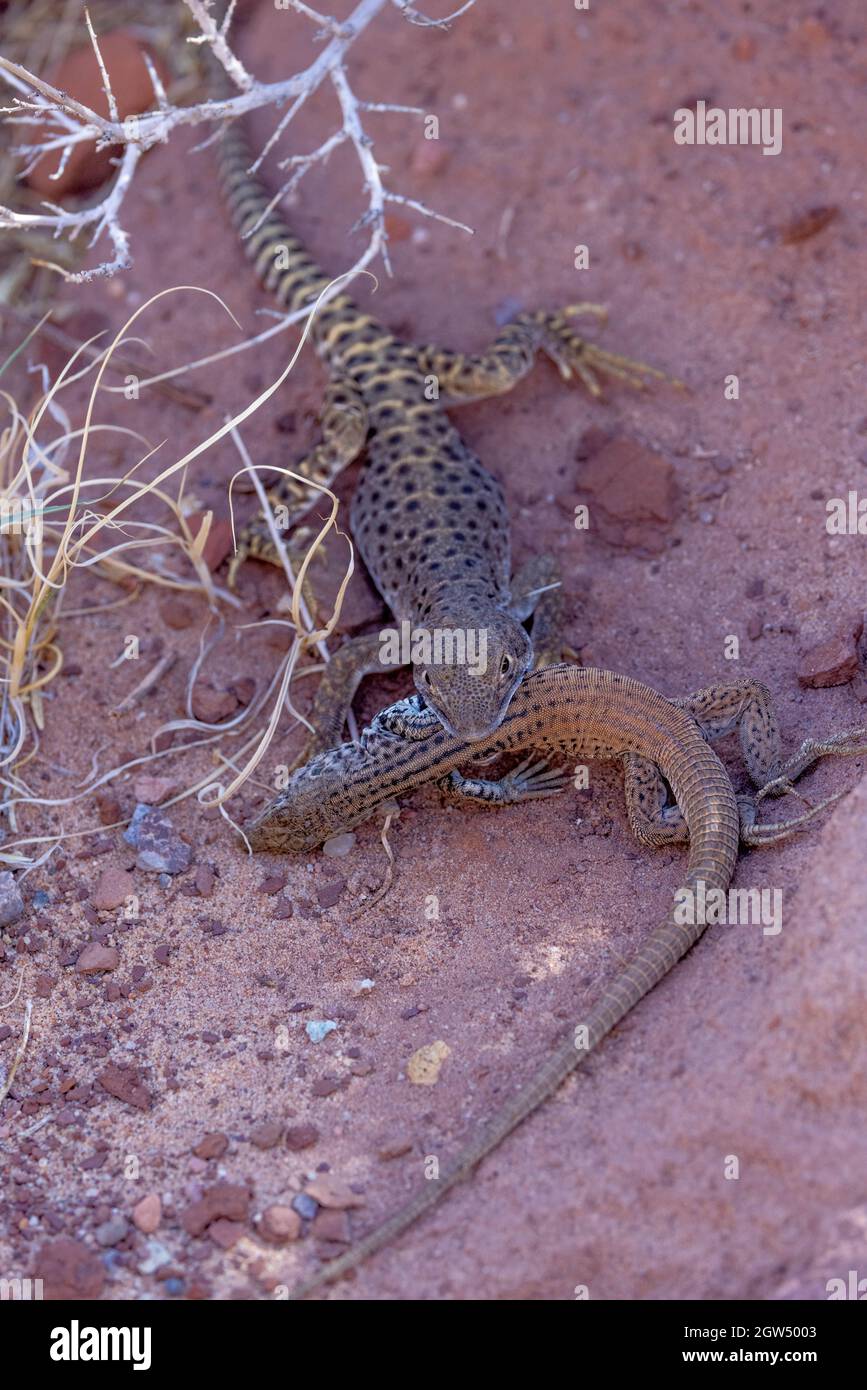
753, 1047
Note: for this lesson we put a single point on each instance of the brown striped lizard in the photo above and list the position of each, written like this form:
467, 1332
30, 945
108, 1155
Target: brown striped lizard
566, 712
429, 520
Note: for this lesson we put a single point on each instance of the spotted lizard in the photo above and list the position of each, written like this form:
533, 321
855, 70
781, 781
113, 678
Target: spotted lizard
565, 712
429, 520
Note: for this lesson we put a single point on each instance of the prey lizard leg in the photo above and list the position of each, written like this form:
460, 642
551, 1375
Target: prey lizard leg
527, 782
344, 431
537, 592
848, 744
510, 357
747, 706
772, 832
410, 718
654, 820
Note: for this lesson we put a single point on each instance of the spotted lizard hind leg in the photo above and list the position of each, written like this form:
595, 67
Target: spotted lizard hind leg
537, 592
357, 658
463, 377
747, 706
527, 782
344, 431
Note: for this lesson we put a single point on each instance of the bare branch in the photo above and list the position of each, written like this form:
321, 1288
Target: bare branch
301, 163
66, 123
103, 70
415, 17
327, 23
426, 211
156, 82
375, 215
216, 39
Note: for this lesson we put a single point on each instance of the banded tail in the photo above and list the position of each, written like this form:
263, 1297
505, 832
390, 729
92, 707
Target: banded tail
283, 264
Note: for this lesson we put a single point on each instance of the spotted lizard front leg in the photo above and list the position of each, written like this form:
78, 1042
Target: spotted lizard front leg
344, 431
357, 658
463, 377
537, 592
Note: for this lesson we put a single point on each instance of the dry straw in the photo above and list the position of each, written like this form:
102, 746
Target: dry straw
49, 530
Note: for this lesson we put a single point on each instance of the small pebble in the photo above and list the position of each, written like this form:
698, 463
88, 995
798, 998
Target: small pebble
153, 790
330, 1192
113, 889
301, 1137
96, 959
317, 1029
147, 1214
306, 1206
11, 901
339, 845
160, 847
212, 1146
111, 1232
280, 1224
267, 1135
330, 893
157, 1255
423, 1067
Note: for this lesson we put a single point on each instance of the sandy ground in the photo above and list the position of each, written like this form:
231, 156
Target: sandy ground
557, 131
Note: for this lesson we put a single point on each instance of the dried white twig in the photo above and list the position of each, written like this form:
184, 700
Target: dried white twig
66, 123
103, 70
156, 673
416, 17
216, 39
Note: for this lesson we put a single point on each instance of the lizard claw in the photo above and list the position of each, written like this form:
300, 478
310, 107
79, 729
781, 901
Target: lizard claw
780, 786
530, 780
575, 356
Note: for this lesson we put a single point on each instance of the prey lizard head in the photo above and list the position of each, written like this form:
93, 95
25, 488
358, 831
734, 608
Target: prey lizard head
311, 808
476, 664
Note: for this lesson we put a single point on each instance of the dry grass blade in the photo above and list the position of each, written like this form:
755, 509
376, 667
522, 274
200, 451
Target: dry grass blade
49, 530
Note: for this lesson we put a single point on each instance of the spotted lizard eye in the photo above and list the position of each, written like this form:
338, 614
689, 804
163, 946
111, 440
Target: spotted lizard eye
506, 666
427, 680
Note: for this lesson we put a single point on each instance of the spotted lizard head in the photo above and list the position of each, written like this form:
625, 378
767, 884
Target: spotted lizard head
470, 669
